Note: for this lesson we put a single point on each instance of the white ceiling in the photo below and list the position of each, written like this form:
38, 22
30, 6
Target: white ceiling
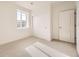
31, 4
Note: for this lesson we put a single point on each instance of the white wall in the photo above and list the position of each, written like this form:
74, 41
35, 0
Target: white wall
77, 27
41, 20
41, 12
56, 9
8, 29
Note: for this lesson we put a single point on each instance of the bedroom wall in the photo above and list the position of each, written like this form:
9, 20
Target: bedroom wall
56, 9
77, 28
8, 29
42, 20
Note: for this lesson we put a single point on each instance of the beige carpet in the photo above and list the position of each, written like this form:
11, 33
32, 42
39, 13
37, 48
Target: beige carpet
38, 49
18, 48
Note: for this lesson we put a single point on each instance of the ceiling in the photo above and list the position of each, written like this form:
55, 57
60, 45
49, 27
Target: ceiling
31, 4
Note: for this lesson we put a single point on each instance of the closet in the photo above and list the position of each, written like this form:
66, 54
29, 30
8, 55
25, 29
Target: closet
66, 26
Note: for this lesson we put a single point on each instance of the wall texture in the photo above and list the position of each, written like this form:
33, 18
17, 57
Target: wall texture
8, 29
42, 20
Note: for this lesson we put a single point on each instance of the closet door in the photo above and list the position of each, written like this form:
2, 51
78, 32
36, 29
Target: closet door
66, 26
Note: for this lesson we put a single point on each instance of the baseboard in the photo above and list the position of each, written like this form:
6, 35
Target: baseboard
42, 38
62, 41
15, 40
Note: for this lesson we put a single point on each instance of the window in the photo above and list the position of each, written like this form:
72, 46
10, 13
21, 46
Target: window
22, 19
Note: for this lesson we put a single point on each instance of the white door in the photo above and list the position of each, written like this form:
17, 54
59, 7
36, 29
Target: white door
66, 26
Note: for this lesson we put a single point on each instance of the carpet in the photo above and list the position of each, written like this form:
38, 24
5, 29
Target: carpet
39, 49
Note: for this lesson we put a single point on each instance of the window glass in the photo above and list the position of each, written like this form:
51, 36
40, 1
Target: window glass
18, 15
23, 16
22, 19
